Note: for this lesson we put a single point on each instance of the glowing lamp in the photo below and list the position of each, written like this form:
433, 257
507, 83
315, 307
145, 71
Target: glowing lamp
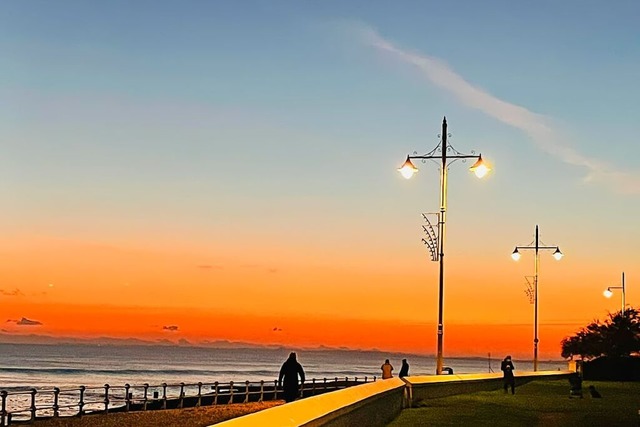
608, 293
558, 255
480, 168
515, 255
407, 169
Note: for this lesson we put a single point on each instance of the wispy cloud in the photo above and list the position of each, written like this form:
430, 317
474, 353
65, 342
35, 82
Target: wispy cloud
538, 127
13, 293
209, 267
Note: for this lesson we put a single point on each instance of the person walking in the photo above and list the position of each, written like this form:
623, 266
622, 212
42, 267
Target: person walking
290, 371
404, 371
386, 370
509, 380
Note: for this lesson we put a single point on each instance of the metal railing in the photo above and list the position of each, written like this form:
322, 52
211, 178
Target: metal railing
32, 404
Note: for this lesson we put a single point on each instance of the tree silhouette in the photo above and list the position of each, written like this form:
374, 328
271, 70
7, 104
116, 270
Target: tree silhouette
617, 336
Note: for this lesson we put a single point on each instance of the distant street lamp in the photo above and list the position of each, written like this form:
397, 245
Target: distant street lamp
446, 154
608, 293
516, 256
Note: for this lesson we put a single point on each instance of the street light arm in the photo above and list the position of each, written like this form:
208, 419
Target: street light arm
550, 248
439, 156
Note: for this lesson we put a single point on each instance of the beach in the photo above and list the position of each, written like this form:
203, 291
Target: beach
188, 417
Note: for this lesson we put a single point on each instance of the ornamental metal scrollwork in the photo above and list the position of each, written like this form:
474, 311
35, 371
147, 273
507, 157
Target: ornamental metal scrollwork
431, 241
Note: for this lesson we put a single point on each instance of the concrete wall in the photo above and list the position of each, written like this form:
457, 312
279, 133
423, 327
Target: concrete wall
432, 386
373, 404
377, 404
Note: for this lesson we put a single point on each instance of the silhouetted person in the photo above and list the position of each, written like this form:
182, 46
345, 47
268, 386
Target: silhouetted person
594, 393
290, 371
404, 371
509, 380
575, 383
386, 370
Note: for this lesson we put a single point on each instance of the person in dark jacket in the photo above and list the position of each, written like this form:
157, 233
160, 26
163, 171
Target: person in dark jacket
290, 371
509, 380
404, 370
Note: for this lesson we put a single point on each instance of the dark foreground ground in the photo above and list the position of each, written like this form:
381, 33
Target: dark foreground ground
189, 417
539, 403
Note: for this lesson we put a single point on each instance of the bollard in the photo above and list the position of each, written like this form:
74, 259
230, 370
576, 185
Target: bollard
181, 401
246, 392
33, 404
3, 408
261, 399
128, 396
215, 393
164, 395
106, 398
199, 402
81, 403
146, 389
230, 392
56, 394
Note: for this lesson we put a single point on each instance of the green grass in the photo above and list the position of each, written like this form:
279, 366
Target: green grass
538, 403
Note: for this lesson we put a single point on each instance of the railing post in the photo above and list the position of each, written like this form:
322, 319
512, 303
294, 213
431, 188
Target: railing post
33, 404
325, 384
3, 410
261, 399
335, 383
127, 399
355, 380
164, 395
275, 390
230, 392
374, 378
106, 398
346, 382
56, 395
365, 379
215, 393
199, 402
181, 401
81, 403
146, 390
246, 392
313, 387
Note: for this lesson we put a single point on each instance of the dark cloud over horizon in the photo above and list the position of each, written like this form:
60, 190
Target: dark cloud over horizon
25, 322
14, 293
171, 328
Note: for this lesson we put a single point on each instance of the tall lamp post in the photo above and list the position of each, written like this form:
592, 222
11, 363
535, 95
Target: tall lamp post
445, 154
608, 293
537, 247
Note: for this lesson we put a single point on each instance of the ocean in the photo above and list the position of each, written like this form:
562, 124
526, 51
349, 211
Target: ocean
24, 366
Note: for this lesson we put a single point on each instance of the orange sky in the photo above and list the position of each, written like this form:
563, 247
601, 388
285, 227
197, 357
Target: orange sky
87, 290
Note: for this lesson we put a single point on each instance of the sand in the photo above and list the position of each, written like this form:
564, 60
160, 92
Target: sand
188, 417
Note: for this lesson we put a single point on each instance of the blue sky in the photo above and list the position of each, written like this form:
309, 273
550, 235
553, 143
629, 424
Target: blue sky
282, 123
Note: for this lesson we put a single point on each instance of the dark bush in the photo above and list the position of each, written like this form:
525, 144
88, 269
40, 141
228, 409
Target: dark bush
612, 369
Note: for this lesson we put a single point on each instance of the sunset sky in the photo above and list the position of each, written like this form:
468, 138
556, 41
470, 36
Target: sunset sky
230, 168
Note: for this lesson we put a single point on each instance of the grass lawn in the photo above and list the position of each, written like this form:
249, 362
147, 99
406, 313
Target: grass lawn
538, 403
